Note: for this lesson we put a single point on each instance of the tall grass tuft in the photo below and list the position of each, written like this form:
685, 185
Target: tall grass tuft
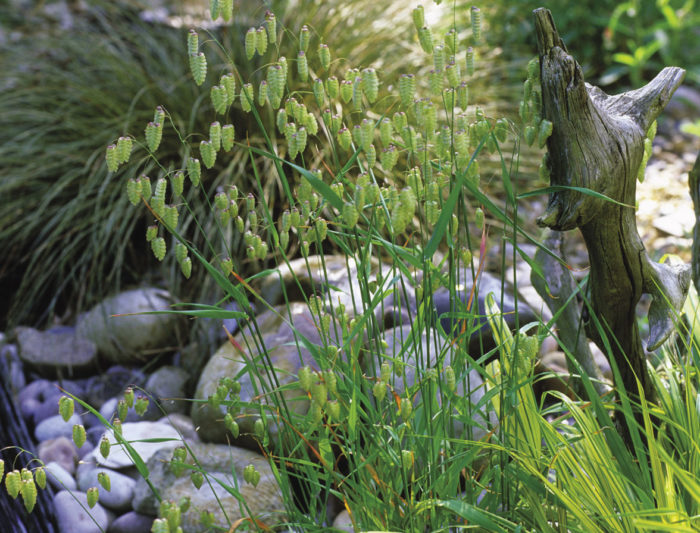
64, 227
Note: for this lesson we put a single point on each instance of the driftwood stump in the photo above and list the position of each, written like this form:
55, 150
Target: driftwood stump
597, 144
694, 184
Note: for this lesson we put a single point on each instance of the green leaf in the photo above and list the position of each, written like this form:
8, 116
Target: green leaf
625, 59
448, 207
491, 522
583, 190
326, 452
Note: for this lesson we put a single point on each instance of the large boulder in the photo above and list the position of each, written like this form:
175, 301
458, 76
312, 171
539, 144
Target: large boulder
124, 336
146, 438
121, 491
285, 354
219, 464
56, 352
454, 312
167, 385
335, 278
74, 516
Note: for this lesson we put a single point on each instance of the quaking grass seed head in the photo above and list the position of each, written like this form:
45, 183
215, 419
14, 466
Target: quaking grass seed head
247, 98
346, 90
249, 43
226, 9
214, 8
13, 483
418, 15
124, 147
370, 84
425, 37
271, 24
198, 67
324, 56
344, 138
133, 191
439, 57
262, 93
357, 94
332, 87
453, 74
302, 66
112, 158
208, 153
261, 40
476, 23
470, 61
66, 408
151, 233
79, 435
275, 81
228, 82
451, 41
319, 92
154, 134
192, 42
386, 131
304, 38
544, 132
215, 135
228, 133
29, 493
186, 267
40, 477
158, 247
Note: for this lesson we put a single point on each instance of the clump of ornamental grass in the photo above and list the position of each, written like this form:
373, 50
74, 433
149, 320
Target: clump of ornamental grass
66, 228
569, 470
398, 180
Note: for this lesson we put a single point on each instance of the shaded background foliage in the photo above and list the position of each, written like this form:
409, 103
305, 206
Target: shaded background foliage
66, 228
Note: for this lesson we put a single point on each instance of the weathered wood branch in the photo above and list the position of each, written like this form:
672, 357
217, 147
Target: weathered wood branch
556, 291
694, 184
597, 144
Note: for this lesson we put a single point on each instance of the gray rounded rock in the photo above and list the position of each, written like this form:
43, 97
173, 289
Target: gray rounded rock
118, 498
132, 522
280, 342
55, 426
183, 424
218, 461
74, 516
31, 397
137, 433
59, 478
111, 384
343, 522
167, 385
47, 408
453, 314
57, 351
130, 338
109, 408
60, 450
335, 279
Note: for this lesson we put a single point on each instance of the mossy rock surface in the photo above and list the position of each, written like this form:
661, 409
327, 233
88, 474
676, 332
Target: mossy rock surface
285, 353
221, 463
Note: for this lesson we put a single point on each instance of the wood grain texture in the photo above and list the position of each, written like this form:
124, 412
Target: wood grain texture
597, 144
